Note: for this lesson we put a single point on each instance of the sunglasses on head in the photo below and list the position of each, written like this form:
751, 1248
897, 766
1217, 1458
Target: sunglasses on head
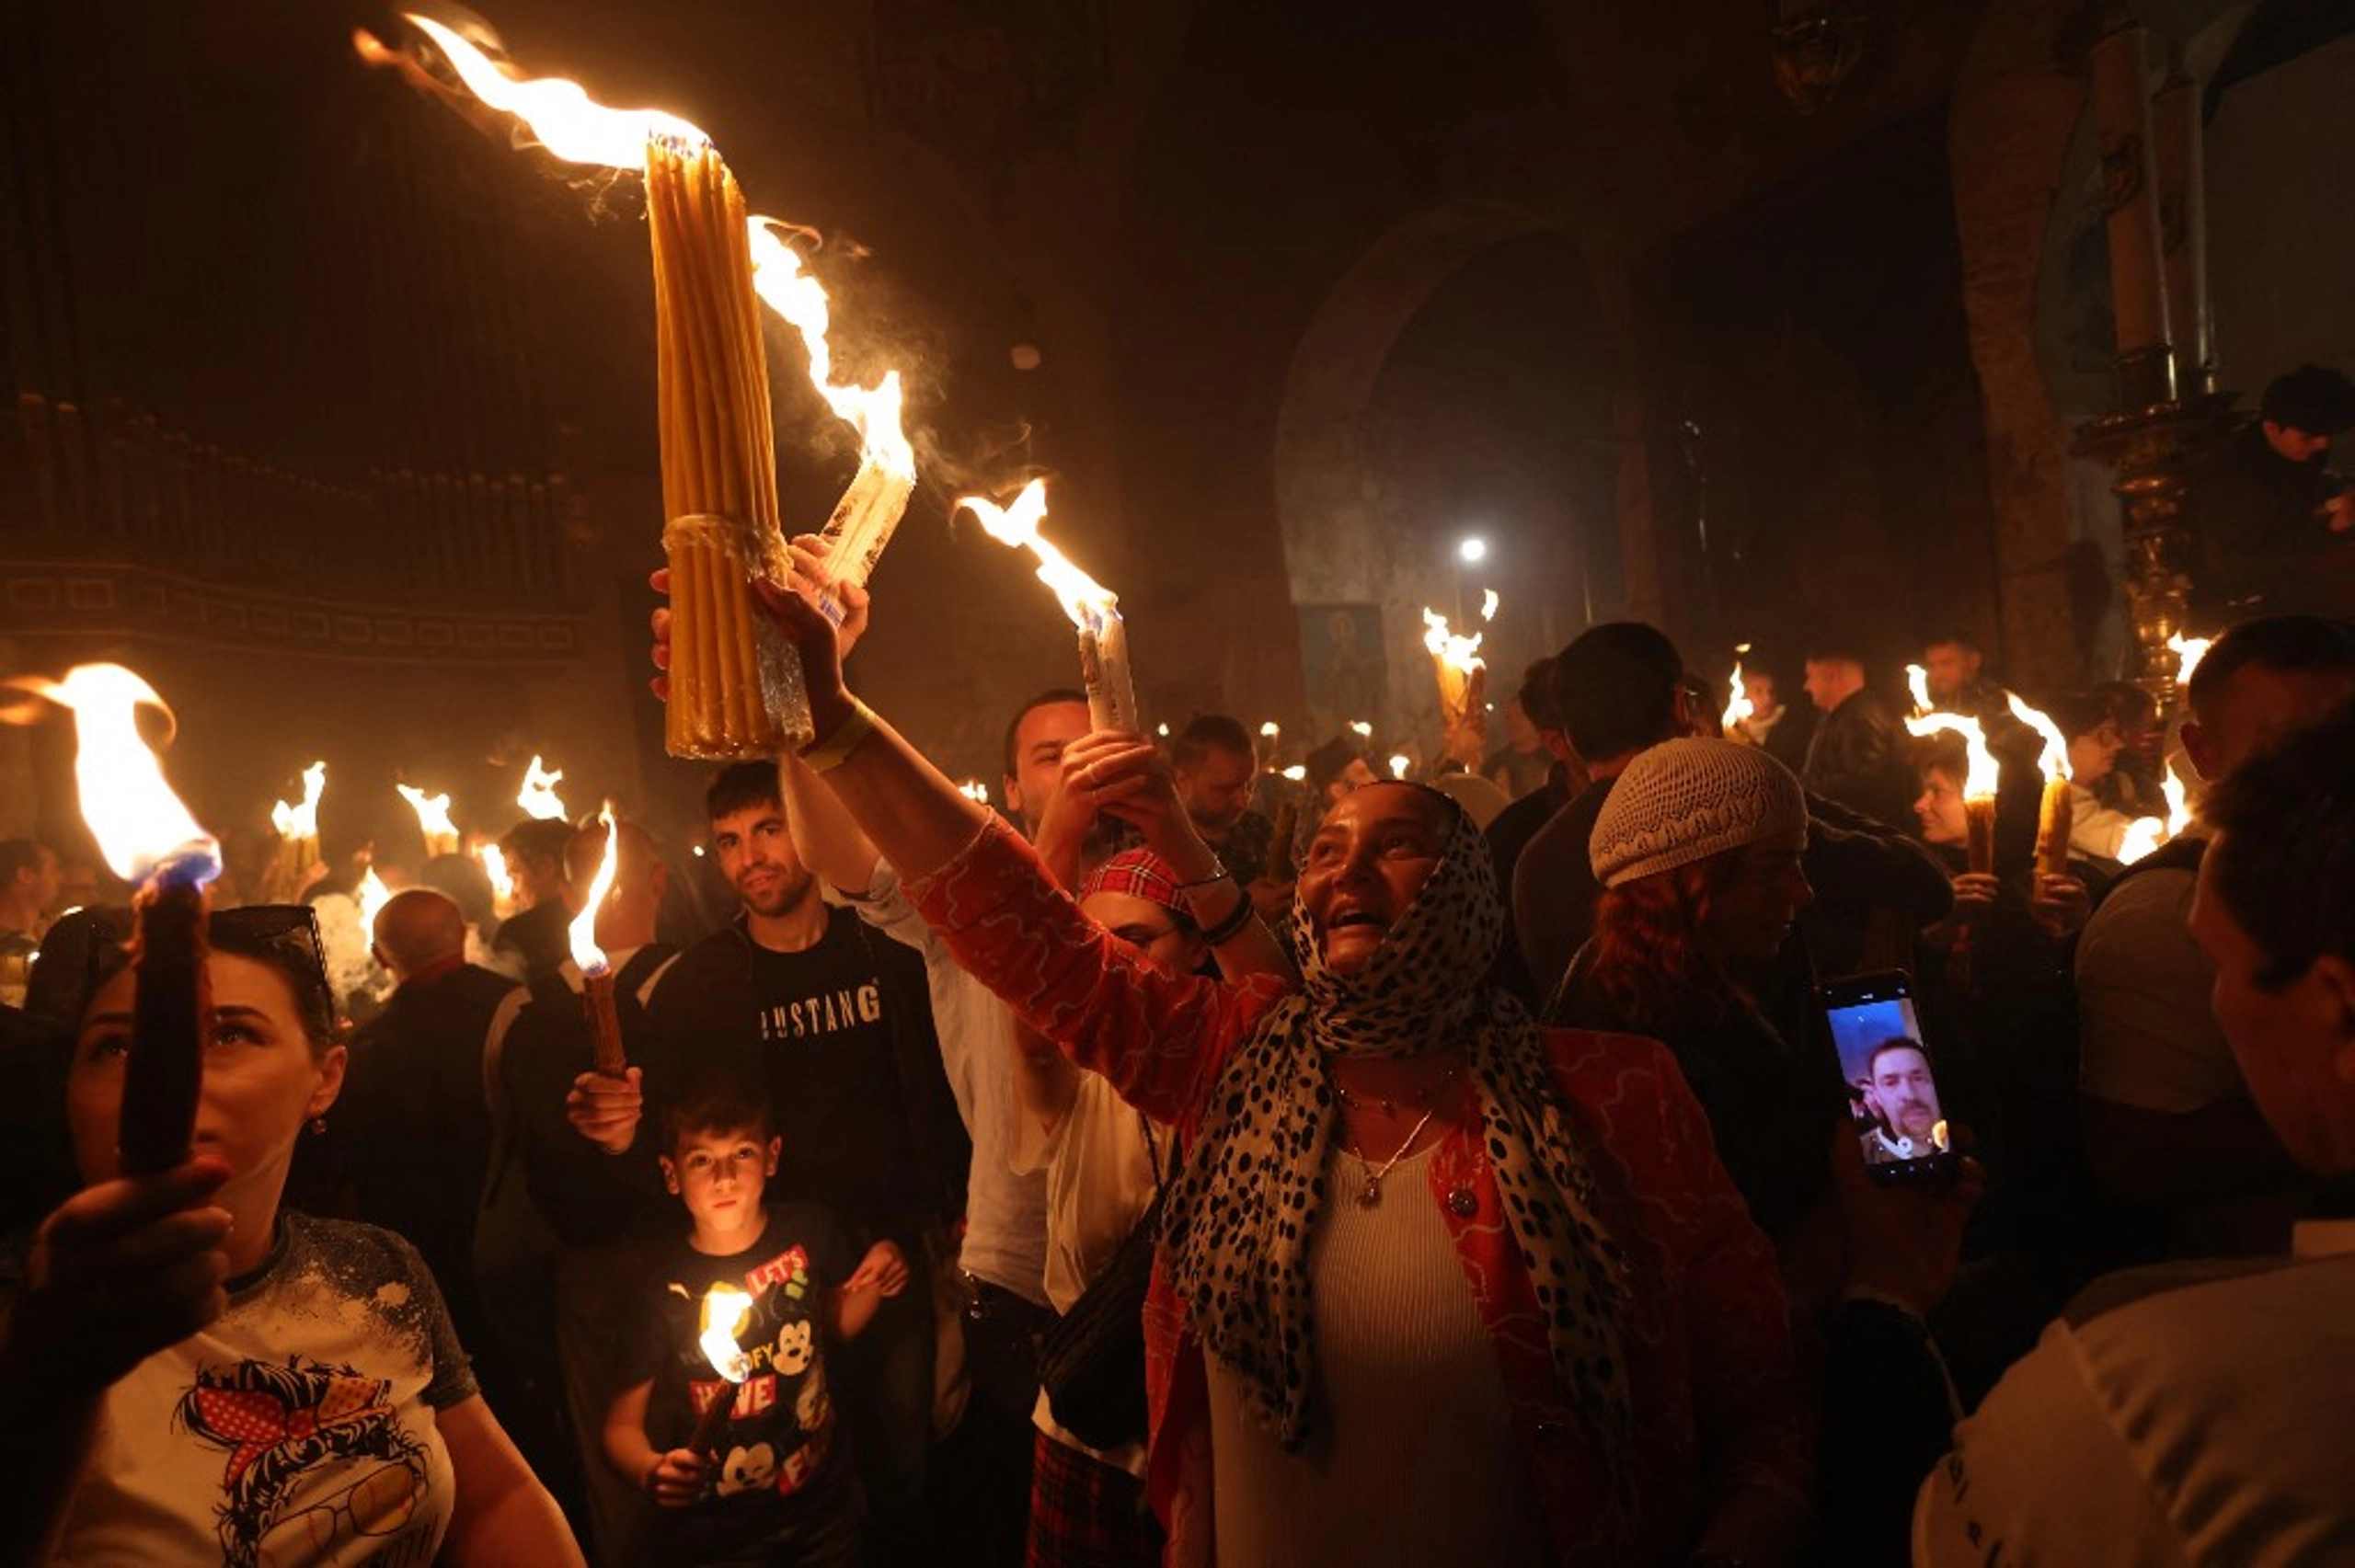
90, 947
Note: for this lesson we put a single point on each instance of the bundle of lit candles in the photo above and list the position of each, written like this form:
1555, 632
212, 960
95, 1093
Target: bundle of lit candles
596, 974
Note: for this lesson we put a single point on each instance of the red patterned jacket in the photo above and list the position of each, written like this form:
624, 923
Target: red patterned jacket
1712, 1373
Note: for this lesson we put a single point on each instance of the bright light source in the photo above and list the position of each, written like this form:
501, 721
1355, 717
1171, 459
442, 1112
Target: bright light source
1472, 551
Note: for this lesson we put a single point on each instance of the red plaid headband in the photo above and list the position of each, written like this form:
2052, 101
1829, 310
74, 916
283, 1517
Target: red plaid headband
1140, 874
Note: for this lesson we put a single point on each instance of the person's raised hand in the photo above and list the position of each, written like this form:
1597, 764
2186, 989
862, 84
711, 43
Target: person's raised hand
1125, 776
606, 1110
2061, 904
118, 1271
812, 557
1903, 1239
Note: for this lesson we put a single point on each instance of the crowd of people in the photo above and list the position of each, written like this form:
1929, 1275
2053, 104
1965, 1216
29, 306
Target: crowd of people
1128, 1177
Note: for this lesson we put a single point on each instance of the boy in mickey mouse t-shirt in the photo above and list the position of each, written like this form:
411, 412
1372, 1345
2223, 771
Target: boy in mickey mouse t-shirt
769, 1484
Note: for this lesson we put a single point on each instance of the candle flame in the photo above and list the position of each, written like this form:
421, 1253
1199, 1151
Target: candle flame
1399, 763
372, 896
1739, 707
975, 790
873, 413
139, 823
585, 951
2146, 834
433, 818
1364, 730
301, 821
494, 866
538, 796
1296, 773
570, 123
578, 130
1271, 730
1488, 604
2054, 760
1452, 649
1980, 781
725, 1307
1084, 600
2188, 652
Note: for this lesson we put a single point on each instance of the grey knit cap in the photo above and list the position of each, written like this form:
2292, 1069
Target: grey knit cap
1686, 800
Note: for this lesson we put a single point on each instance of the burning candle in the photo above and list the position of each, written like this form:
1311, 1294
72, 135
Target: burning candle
725, 1310
2146, 834
1094, 609
596, 974
148, 837
432, 820
2188, 652
735, 687
1463, 674
538, 796
2056, 815
502, 886
298, 833
1739, 709
1980, 777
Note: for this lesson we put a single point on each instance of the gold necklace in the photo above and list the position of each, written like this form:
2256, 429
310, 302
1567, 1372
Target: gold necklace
1370, 1194
1426, 1096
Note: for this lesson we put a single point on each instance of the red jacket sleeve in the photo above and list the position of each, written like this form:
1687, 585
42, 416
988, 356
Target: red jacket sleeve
1159, 1037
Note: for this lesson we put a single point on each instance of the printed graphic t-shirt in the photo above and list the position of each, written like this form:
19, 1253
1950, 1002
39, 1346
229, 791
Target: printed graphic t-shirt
297, 1428
834, 1088
777, 1448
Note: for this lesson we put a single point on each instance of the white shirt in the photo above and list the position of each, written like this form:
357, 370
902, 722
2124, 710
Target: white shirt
1005, 1212
2211, 1422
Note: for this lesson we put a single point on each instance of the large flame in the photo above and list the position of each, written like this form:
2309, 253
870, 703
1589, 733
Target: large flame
568, 122
578, 130
538, 796
301, 821
1083, 598
371, 895
873, 412
1982, 779
585, 951
2147, 833
2188, 652
1452, 648
139, 823
502, 886
1739, 707
2053, 760
433, 818
725, 1307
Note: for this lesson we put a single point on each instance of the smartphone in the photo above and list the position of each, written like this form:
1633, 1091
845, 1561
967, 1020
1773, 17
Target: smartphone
1900, 1123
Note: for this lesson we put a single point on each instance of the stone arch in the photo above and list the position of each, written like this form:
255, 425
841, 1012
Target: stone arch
1345, 537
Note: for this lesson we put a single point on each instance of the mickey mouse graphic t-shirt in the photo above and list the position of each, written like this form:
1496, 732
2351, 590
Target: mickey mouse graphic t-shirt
297, 1427
779, 1455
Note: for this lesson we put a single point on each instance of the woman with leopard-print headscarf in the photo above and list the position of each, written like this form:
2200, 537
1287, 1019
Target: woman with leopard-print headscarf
1435, 1283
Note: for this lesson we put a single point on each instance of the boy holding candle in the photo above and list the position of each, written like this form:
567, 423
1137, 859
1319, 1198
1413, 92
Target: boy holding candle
767, 1481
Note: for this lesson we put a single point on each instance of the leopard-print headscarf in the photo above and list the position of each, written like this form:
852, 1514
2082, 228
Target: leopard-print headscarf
1238, 1219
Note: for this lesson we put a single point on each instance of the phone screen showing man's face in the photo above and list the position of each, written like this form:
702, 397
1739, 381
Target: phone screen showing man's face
1892, 1093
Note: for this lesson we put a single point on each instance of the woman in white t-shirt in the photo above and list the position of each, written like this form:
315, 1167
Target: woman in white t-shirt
194, 1374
